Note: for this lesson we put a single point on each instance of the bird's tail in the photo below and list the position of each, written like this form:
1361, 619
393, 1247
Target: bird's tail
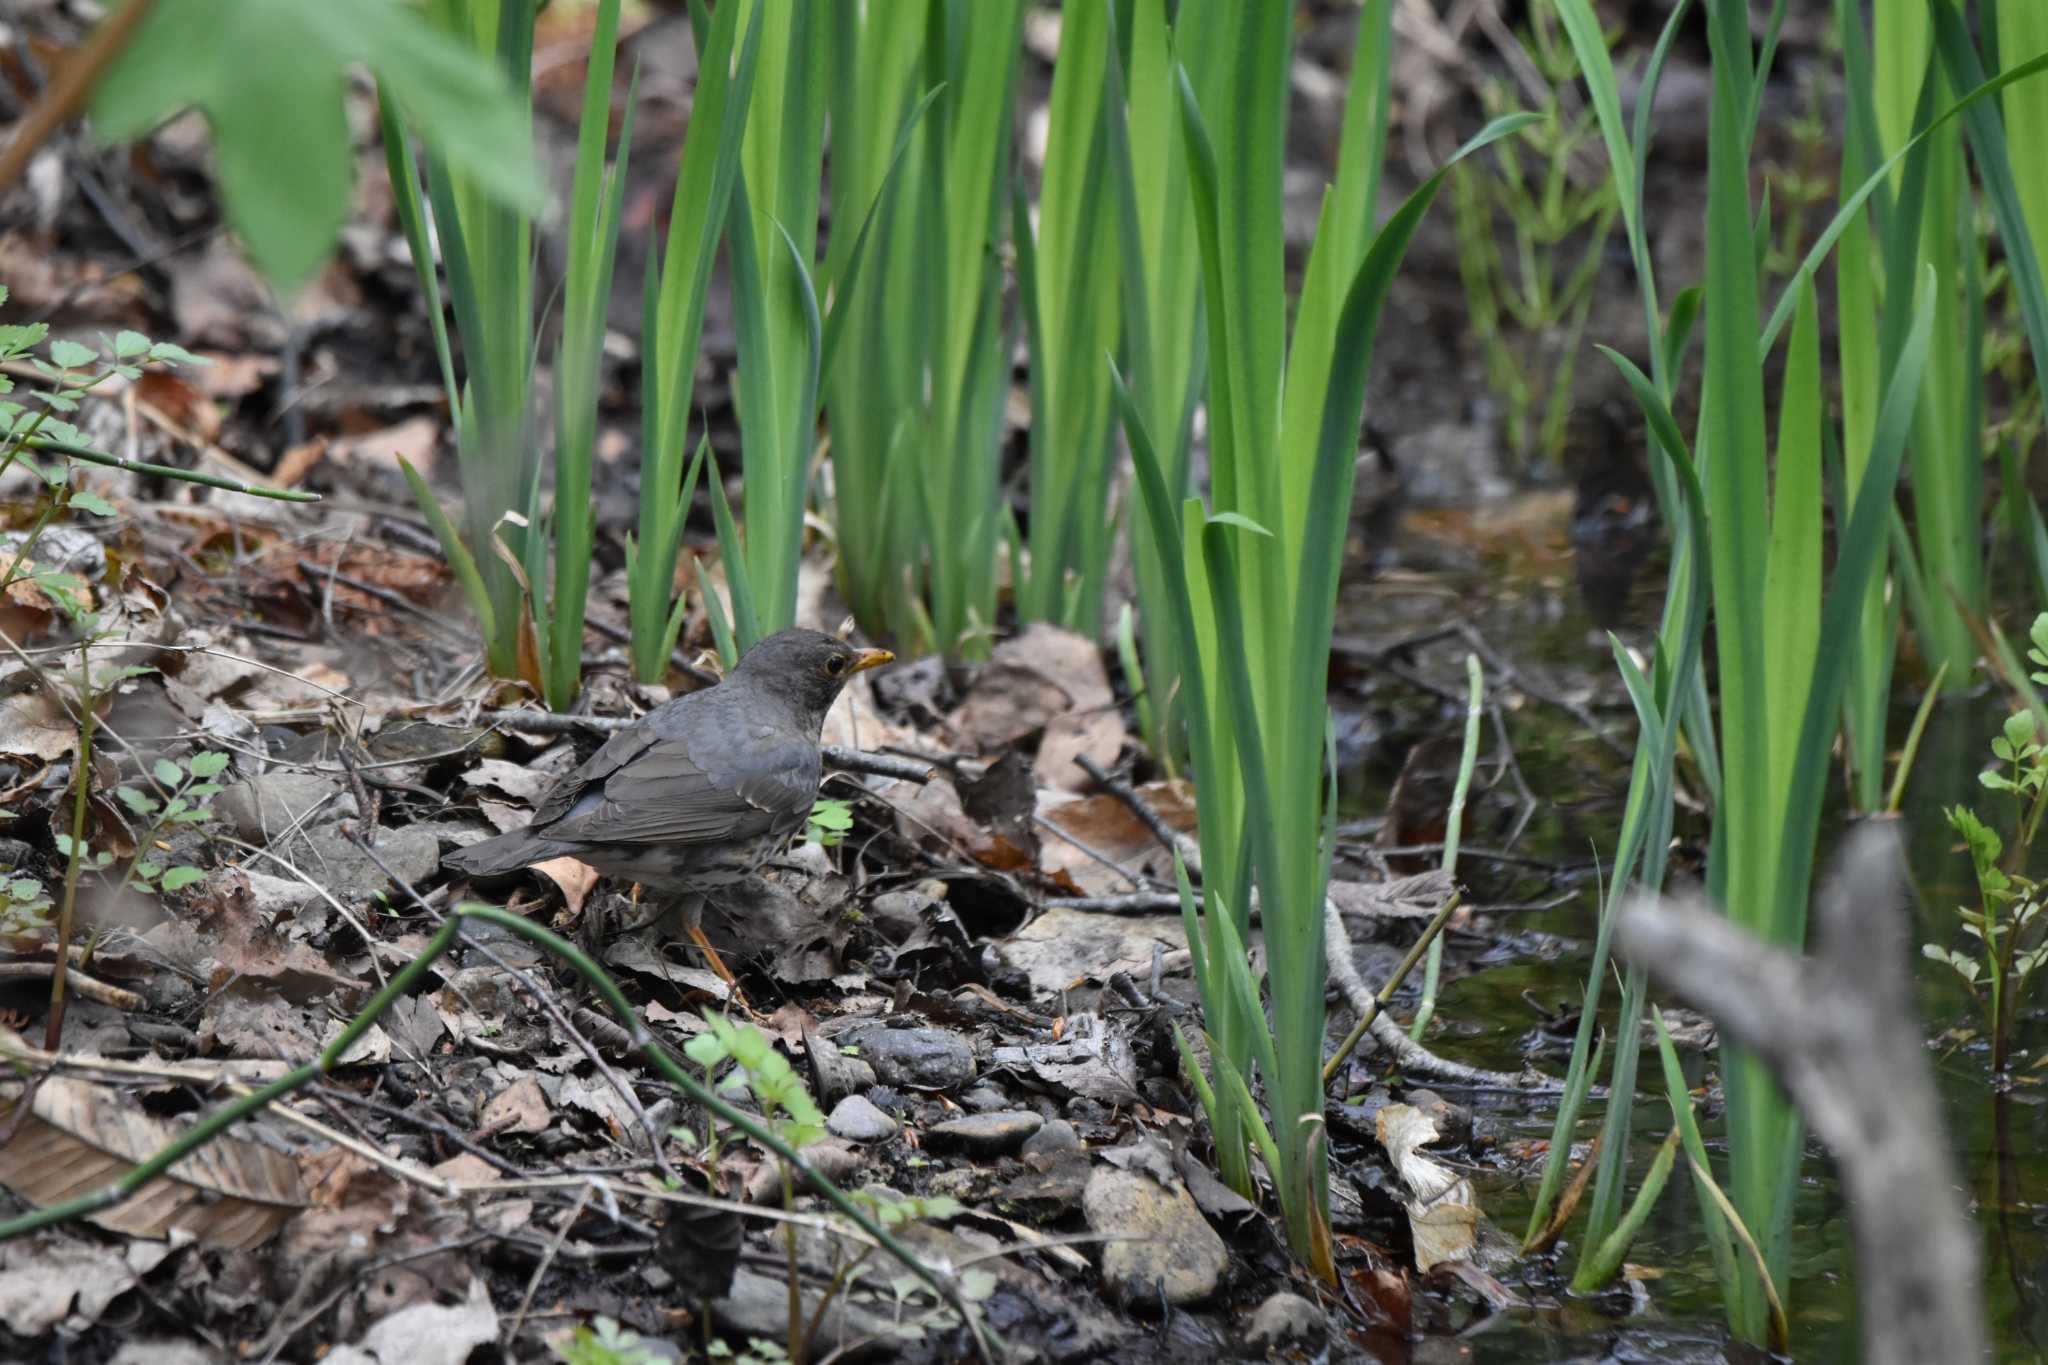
504, 855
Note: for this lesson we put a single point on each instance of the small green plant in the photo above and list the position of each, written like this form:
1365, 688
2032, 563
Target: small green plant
1528, 296
2007, 953
786, 1107
762, 1072
189, 789
830, 821
25, 909
35, 419
603, 1342
760, 1351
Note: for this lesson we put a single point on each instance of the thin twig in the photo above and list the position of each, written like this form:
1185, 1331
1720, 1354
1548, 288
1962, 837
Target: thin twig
395, 600
1336, 954
1386, 993
62, 97
540, 1271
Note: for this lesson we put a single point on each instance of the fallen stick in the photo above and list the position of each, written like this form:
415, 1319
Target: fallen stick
1840, 1031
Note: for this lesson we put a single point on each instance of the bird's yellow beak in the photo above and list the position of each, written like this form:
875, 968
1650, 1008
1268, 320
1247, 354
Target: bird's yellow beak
870, 658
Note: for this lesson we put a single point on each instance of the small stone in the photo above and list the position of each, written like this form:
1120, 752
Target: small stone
1162, 1245
984, 1099
1053, 1140
267, 805
1282, 1318
274, 899
987, 1134
924, 1058
351, 875
856, 1120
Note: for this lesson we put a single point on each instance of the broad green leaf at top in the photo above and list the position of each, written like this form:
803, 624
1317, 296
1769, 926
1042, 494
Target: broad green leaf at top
281, 142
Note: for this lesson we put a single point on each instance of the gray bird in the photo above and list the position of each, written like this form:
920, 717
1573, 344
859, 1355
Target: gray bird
701, 791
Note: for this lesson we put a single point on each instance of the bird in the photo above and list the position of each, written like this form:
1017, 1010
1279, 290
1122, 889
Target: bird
699, 793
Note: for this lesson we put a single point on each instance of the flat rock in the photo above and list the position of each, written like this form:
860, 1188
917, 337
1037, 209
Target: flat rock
987, 1134
351, 875
1282, 1318
757, 1305
856, 1120
265, 806
277, 898
1164, 1247
926, 1058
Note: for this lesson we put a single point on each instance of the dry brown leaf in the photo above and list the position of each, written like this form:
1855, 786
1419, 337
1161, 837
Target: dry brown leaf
26, 611
33, 725
574, 878
315, 684
1107, 826
416, 438
180, 402
234, 376
298, 461
79, 1137
519, 1108
1048, 680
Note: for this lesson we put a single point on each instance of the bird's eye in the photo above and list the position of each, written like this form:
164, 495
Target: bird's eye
836, 664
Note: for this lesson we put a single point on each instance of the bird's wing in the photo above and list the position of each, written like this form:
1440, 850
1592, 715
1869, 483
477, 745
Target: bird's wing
666, 795
614, 754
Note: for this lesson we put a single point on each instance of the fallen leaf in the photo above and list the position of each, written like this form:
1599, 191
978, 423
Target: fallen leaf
515, 780
416, 439
79, 1136
426, 1334
49, 1278
1443, 1213
233, 376
297, 462
518, 1108
33, 725
573, 877
180, 402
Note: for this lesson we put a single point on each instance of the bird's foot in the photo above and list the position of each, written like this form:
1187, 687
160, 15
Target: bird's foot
719, 969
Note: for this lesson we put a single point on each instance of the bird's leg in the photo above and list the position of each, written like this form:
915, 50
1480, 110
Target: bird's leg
691, 908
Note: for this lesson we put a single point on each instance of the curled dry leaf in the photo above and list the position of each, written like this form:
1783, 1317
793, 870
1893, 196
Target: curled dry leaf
1443, 1213
575, 879
79, 1137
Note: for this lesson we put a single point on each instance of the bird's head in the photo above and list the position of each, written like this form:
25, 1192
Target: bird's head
805, 668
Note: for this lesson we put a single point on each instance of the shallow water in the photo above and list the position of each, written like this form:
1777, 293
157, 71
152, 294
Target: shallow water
1521, 594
